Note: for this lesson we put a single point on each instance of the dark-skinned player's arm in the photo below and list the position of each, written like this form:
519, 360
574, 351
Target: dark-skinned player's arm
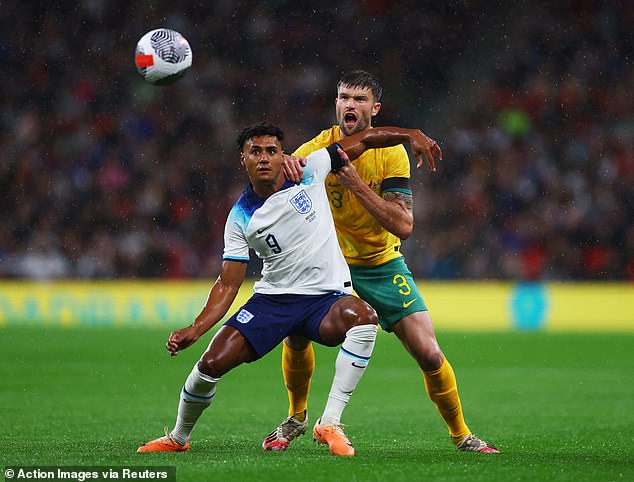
221, 295
379, 137
430, 149
393, 211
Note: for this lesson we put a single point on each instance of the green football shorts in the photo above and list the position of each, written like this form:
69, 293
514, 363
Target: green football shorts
390, 289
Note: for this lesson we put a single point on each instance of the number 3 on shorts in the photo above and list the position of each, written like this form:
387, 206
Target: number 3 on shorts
404, 288
400, 281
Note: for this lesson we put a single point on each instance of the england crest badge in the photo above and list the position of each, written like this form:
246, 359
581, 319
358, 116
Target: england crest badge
302, 203
244, 316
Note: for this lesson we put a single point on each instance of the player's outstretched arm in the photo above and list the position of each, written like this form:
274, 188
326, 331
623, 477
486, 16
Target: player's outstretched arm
422, 146
221, 295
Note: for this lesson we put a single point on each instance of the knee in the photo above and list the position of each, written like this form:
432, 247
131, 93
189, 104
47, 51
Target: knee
210, 365
362, 314
430, 358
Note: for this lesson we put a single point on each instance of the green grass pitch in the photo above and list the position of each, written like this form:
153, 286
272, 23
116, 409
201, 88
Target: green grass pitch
559, 406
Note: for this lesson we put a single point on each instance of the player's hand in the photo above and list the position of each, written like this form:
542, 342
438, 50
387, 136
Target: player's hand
347, 175
427, 148
292, 167
181, 339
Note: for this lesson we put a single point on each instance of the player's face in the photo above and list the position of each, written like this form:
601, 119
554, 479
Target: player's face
355, 108
262, 156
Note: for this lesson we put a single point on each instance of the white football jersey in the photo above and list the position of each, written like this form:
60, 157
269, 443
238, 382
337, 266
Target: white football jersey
293, 232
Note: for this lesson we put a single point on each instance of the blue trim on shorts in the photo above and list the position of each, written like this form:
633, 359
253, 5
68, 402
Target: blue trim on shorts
265, 320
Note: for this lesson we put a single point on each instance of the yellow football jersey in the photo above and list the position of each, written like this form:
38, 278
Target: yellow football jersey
362, 239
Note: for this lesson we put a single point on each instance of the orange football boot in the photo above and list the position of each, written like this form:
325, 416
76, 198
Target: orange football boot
163, 444
335, 438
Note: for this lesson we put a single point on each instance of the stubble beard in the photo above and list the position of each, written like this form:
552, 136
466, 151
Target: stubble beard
360, 126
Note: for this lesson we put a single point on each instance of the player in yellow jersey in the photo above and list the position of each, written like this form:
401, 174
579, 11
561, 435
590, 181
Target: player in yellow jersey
371, 202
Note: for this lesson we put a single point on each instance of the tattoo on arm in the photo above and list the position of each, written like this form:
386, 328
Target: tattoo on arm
405, 200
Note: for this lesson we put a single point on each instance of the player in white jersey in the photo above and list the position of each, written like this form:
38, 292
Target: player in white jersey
282, 231
305, 285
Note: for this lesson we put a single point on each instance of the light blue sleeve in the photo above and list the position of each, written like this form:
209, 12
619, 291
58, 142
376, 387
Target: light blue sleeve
318, 165
236, 245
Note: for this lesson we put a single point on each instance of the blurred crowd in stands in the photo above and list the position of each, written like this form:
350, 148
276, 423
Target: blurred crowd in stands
104, 176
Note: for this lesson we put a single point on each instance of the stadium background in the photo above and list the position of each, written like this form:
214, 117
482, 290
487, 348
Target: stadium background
104, 176
114, 193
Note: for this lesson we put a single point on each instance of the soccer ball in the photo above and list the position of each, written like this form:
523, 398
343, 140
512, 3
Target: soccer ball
163, 56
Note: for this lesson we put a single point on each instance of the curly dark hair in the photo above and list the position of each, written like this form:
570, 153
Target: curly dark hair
261, 129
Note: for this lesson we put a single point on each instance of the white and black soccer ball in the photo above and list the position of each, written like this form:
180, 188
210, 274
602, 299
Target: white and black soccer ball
163, 56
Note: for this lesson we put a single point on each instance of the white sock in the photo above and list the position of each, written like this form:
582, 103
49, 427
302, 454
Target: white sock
353, 358
196, 396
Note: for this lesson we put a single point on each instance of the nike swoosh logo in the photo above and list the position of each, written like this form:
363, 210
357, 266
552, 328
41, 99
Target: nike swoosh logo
260, 231
358, 366
405, 305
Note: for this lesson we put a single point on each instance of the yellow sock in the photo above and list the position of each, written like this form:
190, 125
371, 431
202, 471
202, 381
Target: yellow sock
297, 368
443, 391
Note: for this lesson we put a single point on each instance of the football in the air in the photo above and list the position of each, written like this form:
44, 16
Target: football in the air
163, 56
